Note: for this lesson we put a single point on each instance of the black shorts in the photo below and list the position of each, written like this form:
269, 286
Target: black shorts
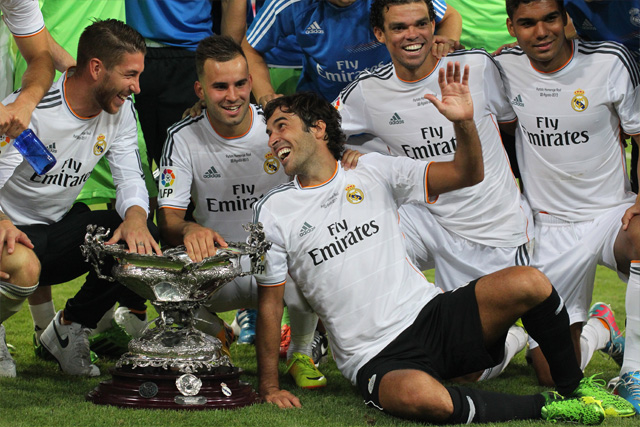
445, 341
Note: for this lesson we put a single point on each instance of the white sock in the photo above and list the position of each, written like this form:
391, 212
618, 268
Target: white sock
632, 332
42, 315
11, 298
303, 326
595, 336
515, 342
105, 321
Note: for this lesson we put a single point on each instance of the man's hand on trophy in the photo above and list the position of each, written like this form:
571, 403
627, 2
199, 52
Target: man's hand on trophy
282, 398
135, 233
201, 241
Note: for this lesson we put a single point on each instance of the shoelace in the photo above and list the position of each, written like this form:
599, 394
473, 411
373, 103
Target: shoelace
82, 349
633, 386
595, 382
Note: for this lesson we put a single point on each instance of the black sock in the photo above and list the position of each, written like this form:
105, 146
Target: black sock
548, 324
481, 406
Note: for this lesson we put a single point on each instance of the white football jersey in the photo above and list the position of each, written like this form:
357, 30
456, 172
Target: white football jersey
23, 17
342, 245
77, 143
395, 111
223, 176
568, 141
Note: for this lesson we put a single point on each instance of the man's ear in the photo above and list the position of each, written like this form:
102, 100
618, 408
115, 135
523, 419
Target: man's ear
96, 68
319, 129
379, 34
197, 88
512, 33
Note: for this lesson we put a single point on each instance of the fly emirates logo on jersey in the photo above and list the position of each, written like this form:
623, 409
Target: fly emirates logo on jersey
549, 132
435, 144
68, 176
344, 71
244, 199
344, 238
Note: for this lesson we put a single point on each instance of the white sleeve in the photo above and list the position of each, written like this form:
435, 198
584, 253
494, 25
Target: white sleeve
176, 175
352, 108
126, 167
275, 263
624, 82
406, 177
495, 93
23, 17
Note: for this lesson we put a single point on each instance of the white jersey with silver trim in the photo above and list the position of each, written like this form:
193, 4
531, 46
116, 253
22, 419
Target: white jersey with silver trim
225, 177
395, 111
77, 144
341, 243
569, 145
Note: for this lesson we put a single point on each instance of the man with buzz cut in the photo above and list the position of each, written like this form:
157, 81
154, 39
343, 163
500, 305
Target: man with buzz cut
395, 335
220, 161
465, 233
573, 99
87, 114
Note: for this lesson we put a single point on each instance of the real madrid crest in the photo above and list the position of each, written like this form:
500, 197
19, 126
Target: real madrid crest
100, 146
579, 102
271, 164
354, 194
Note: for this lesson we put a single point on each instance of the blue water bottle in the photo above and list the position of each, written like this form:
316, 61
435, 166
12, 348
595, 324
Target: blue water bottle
34, 151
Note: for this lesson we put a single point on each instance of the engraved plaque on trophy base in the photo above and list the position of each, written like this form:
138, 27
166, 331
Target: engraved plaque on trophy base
157, 388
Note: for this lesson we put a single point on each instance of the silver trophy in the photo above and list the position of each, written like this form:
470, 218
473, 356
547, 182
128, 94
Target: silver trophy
171, 354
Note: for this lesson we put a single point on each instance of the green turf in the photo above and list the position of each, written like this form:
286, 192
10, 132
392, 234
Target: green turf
43, 396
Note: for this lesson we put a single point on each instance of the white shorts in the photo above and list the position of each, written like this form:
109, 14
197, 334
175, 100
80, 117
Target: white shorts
242, 292
568, 254
456, 260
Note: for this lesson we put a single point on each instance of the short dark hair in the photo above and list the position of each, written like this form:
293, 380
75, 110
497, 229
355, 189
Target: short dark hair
218, 48
310, 108
108, 40
378, 7
512, 5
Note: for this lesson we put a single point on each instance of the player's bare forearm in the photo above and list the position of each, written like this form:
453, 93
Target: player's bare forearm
171, 223
451, 24
62, 60
270, 307
467, 167
233, 22
262, 89
36, 80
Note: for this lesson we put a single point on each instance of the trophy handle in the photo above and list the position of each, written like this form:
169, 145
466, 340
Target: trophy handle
92, 251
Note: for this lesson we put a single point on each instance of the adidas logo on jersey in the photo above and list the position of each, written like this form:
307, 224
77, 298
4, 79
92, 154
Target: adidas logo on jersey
314, 28
212, 173
395, 119
306, 229
518, 101
588, 25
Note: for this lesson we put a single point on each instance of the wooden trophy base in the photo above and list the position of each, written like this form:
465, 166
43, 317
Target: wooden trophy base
157, 388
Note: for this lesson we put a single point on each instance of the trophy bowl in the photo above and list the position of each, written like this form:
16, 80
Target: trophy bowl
172, 364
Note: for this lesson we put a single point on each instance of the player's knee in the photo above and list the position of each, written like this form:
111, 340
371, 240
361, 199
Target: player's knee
22, 266
532, 285
413, 400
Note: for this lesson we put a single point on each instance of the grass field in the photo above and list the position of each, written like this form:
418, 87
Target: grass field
43, 396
